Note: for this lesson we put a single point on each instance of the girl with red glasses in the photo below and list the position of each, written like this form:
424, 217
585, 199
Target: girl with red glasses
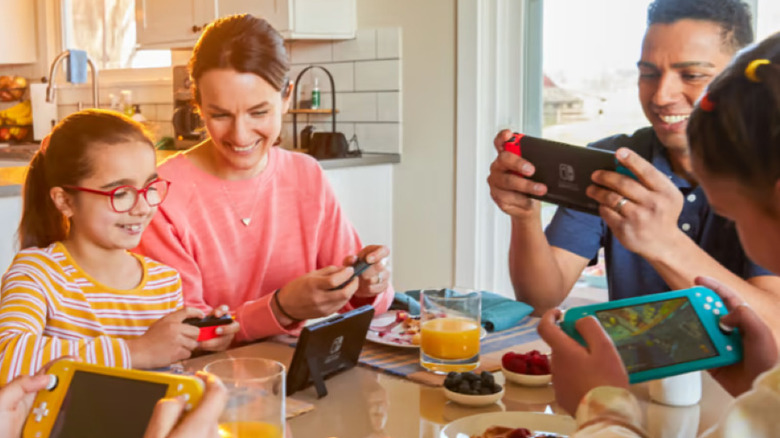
74, 288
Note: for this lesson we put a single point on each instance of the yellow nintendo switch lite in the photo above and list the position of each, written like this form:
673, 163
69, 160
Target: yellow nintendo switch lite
87, 400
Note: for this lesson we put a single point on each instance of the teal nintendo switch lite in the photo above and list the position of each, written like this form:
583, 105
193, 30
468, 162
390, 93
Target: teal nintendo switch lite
664, 334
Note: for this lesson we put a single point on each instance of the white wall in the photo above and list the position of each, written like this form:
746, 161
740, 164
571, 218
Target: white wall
10, 212
423, 216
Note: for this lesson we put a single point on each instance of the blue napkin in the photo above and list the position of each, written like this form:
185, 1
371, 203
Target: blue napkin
77, 66
498, 312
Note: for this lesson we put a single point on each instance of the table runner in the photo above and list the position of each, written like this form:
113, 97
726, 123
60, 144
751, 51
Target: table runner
405, 362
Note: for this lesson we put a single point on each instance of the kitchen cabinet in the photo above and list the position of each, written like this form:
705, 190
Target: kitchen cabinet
171, 23
178, 23
17, 31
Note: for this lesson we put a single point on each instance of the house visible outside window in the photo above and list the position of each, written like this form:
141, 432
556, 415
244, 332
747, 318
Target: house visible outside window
106, 30
589, 65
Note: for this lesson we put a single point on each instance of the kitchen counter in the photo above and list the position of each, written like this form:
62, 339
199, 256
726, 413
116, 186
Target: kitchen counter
13, 166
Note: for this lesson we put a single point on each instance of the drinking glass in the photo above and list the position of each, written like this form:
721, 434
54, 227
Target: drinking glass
449, 330
256, 397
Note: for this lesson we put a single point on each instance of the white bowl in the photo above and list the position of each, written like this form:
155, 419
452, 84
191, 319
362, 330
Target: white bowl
474, 400
527, 379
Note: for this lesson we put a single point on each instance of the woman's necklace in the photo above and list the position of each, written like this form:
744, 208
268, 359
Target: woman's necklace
245, 219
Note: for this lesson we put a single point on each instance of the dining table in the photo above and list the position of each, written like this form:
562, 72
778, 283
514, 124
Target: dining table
364, 402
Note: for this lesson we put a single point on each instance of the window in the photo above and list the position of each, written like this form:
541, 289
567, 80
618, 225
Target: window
767, 18
106, 30
589, 65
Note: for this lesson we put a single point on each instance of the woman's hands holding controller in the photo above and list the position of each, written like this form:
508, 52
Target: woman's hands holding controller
376, 278
312, 295
759, 346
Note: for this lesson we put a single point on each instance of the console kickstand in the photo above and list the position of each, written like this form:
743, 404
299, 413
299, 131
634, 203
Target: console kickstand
316, 376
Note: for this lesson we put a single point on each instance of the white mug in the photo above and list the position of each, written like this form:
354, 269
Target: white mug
679, 390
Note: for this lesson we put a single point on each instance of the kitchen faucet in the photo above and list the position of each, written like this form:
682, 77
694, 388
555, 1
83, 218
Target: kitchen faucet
51, 87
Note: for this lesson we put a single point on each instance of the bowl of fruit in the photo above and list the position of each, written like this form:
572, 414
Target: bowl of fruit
472, 389
529, 369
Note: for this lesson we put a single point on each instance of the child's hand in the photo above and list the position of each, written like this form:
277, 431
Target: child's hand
225, 332
166, 341
760, 349
16, 399
167, 422
577, 369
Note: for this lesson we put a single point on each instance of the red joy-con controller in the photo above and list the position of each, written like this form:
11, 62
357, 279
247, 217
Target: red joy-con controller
207, 333
208, 325
513, 144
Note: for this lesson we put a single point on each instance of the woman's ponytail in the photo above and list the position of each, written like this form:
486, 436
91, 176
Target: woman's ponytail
42, 223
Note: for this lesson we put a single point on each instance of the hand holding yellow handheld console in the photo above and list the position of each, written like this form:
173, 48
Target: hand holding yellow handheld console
96, 401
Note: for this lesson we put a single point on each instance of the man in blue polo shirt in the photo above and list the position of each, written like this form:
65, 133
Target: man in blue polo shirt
659, 231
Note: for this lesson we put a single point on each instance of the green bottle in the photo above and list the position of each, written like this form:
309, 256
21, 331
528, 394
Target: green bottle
315, 95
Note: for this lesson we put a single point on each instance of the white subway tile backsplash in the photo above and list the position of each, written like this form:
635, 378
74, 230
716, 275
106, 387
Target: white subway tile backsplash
152, 94
165, 112
388, 106
149, 111
65, 110
164, 129
311, 52
383, 75
357, 107
388, 43
379, 137
363, 47
343, 76
367, 75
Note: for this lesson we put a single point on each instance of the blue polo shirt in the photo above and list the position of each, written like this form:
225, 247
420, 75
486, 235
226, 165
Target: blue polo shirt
628, 274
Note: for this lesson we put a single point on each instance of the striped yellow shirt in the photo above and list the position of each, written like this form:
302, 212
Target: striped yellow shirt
49, 307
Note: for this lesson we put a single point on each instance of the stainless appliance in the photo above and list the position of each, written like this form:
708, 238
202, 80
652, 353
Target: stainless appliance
187, 124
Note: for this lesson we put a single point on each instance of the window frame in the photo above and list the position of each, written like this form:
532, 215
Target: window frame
116, 76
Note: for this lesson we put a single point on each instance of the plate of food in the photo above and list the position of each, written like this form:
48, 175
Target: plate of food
397, 328
514, 424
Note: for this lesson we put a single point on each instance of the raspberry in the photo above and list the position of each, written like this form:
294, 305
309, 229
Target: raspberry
507, 358
518, 365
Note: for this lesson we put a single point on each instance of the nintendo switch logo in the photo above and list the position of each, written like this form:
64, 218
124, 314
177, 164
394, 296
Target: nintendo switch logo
566, 172
335, 347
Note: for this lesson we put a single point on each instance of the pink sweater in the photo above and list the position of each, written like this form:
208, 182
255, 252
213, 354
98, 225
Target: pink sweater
296, 227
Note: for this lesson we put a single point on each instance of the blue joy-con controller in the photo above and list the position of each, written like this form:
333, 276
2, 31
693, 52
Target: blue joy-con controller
664, 334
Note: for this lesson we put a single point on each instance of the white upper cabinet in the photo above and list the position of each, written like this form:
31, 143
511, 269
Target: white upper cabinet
17, 31
171, 23
179, 23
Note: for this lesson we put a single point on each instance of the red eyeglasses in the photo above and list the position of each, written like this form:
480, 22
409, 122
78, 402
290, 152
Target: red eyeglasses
125, 198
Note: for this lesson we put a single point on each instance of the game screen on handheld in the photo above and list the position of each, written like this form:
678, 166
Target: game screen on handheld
657, 334
106, 406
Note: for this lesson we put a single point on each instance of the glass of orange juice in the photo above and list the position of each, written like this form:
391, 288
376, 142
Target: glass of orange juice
256, 397
449, 330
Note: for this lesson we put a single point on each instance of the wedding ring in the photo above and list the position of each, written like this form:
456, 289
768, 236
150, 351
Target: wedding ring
620, 204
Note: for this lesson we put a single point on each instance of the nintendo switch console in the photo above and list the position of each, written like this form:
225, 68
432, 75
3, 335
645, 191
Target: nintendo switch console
328, 347
208, 325
88, 400
565, 169
664, 334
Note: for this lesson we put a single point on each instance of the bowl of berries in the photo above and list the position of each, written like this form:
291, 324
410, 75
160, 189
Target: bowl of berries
529, 369
472, 389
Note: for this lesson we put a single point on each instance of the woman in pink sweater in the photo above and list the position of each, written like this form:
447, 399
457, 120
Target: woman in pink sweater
247, 224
